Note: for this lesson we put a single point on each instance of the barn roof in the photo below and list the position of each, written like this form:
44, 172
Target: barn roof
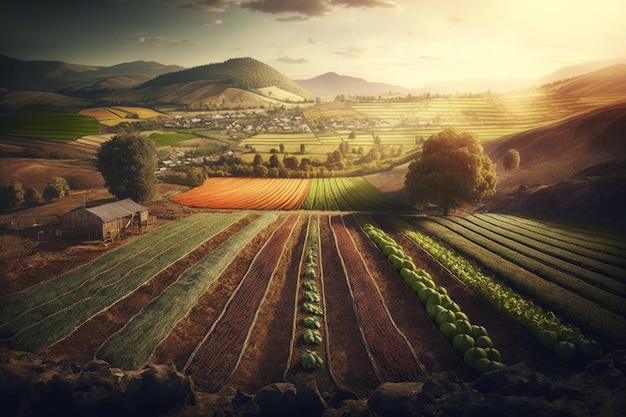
116, 210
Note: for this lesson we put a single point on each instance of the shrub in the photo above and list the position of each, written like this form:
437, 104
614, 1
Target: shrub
511, 159
57, 187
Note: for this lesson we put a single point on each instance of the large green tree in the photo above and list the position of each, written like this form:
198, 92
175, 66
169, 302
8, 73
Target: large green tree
450, 172
128, 163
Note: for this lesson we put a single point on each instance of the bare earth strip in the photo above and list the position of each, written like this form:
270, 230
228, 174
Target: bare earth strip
217, 356
270, 338
351, 365
392, 355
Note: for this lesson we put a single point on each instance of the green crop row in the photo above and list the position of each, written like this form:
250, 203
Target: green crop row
596, 240
540, 264
591, 259
133, 345
347, 194
311, 300
521, 308
62, 319
550, 236
470, 341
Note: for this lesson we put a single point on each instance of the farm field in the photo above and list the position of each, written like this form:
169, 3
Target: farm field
233, 286
111, 116
575, 274
49, 125
343, 194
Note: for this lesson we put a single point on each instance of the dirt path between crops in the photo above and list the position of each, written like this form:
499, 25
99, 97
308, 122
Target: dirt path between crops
514, 342
191, 329
349, 359
265, 358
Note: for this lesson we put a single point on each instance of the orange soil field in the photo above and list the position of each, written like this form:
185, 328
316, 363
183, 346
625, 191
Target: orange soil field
247, 193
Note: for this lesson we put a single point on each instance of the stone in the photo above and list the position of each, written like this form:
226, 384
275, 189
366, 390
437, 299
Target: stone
277, 399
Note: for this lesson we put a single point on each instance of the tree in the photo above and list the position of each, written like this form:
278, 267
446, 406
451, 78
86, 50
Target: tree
258, 159
291, 162
128, 163
511, 159
451, 171
195, 176
275, 162
11, 195
57, 187
260, 171
32, 195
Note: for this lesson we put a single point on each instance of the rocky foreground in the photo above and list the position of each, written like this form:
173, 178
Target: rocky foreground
33, 386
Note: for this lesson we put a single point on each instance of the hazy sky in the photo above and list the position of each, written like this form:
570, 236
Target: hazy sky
401, 42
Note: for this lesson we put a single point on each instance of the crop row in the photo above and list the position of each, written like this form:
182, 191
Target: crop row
312, 303
41, 327
508, 295
247, 193
344, 194
564, 256
470, 341
554, 269
391, 354
593, 243
133, 345
218, 354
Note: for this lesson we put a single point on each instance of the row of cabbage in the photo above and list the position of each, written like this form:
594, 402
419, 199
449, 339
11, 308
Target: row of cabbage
470, 341
311, 303
563, 339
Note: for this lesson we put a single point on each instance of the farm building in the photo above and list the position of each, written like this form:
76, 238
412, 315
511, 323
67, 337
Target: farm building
107, 221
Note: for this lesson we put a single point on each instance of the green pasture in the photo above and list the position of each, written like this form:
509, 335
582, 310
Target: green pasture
170, 138
49, 125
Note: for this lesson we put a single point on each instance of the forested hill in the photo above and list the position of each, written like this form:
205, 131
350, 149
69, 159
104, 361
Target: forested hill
244, 73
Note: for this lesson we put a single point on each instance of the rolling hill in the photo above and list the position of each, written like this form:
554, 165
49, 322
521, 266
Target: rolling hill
57, 76
241, 73
576, 165
604, 81
572, 71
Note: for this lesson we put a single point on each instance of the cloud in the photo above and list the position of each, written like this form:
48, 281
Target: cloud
215, 6
351, 52
289, 60
158, 40
303, 9
211, 23
364, 3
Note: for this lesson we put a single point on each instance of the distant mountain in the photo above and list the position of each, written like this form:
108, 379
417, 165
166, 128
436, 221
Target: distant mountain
241, 73
333, 84
58, 76
604, 81
579, 69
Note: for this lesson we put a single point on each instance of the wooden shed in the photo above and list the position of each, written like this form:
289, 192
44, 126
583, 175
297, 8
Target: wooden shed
107, 221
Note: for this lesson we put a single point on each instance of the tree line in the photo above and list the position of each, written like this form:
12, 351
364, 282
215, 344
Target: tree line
14, 195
